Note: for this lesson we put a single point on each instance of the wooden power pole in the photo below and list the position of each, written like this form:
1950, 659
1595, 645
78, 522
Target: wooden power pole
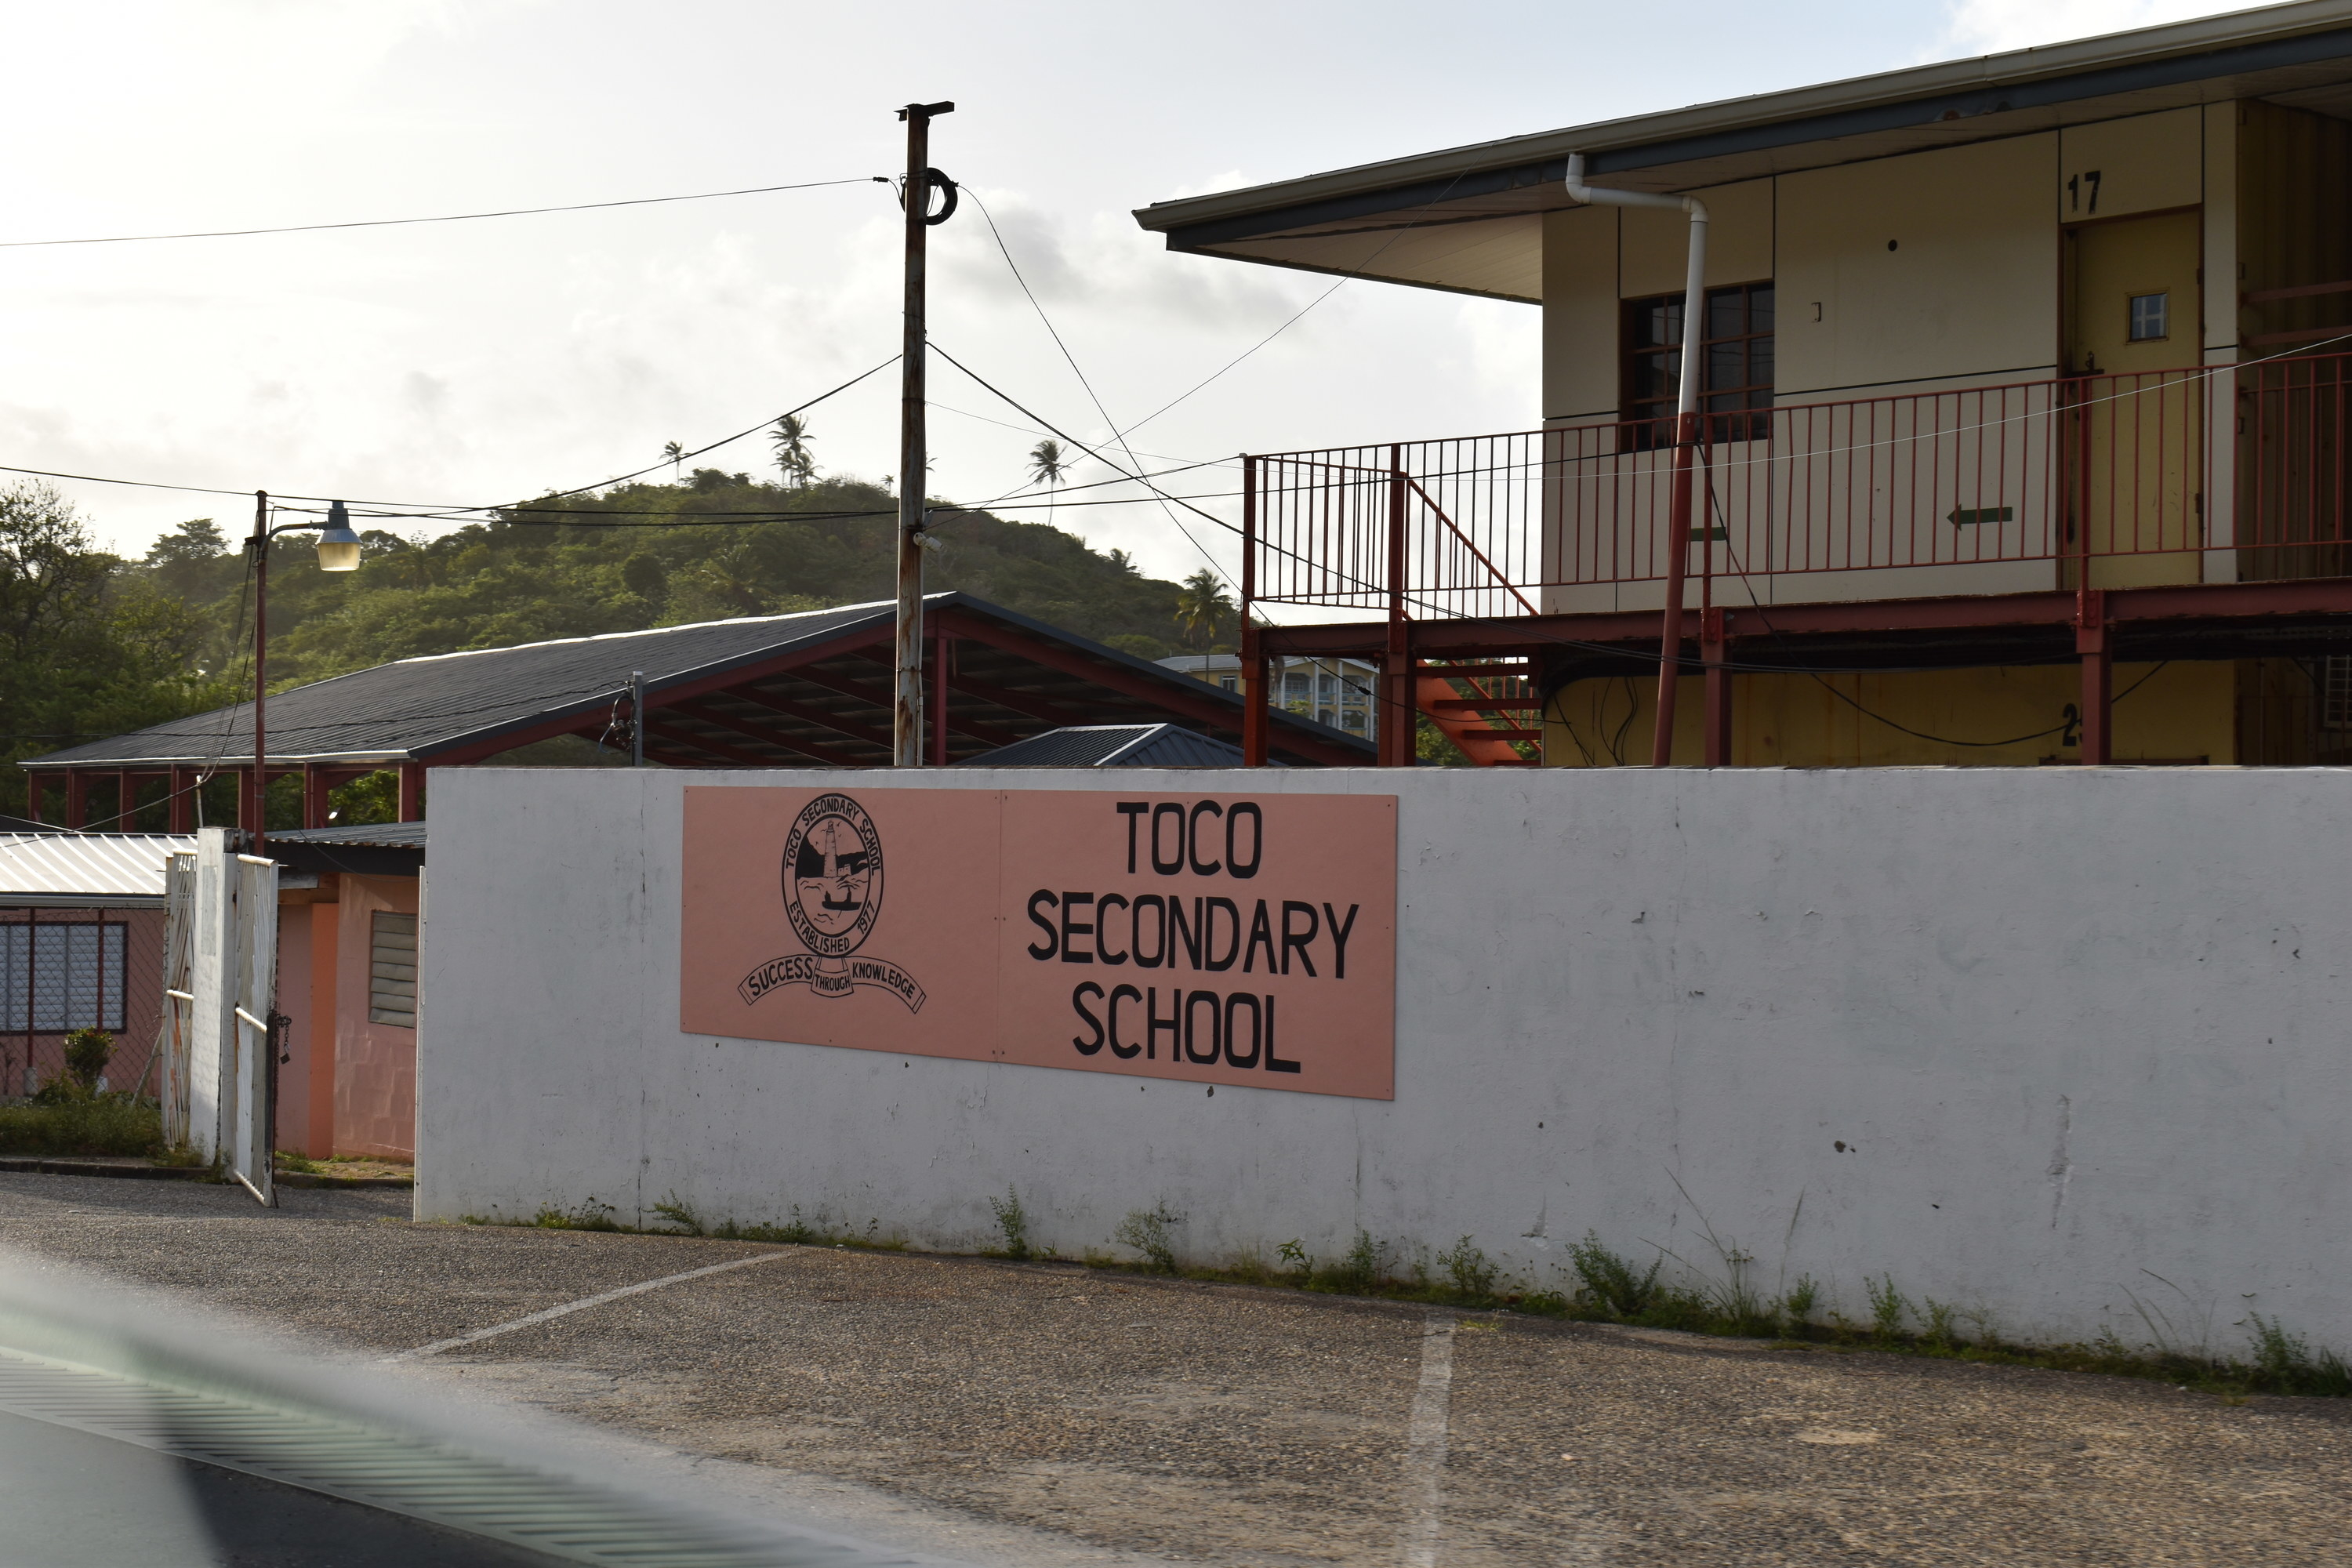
907, 718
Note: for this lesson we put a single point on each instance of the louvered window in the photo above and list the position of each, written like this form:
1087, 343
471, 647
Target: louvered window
392, 970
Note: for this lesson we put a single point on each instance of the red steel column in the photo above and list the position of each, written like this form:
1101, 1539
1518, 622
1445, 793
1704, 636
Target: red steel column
314, 795
939, 651
181, 783
1718, 688
412, 791
1400, 712
126, 792
77, 797
1678, 526
1255, 723
2092, 635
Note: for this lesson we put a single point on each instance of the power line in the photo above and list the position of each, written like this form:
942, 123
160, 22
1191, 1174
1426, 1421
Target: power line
431, 511
1117, 435
446, 217
1361, 267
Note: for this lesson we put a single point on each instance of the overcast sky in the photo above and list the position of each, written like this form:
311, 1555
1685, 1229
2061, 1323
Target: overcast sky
479, 362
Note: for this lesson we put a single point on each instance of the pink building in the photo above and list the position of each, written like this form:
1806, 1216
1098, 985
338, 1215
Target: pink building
347, 932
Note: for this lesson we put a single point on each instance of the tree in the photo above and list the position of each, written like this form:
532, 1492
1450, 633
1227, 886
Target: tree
1202, 606
675, 455
88, 648
1047, 467
194, 561
790, 439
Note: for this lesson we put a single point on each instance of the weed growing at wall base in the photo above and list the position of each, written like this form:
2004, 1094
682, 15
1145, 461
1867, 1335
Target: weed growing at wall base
679, 1219
1014, 1221
1611, 1289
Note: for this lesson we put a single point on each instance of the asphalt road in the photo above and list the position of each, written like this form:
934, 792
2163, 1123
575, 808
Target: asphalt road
1044, 1413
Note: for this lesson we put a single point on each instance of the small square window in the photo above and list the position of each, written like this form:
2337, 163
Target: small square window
2148, 317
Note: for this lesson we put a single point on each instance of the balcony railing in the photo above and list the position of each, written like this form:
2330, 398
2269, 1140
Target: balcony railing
2180, 476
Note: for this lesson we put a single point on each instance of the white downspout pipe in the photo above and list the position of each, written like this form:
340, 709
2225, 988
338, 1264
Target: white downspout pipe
1686, 430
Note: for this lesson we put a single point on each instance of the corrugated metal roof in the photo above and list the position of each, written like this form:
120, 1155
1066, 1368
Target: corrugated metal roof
372, 835
415, 707
770, 691
110, 866
1114, 746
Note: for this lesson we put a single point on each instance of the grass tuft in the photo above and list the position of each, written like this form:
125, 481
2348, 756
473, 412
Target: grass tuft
1013, 1220
1146, 1230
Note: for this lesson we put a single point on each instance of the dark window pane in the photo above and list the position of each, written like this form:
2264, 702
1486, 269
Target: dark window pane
1657, 374
1760, 308
1759, 361
1727, 364
1725, 313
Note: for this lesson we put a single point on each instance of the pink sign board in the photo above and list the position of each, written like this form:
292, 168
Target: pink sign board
1229, 939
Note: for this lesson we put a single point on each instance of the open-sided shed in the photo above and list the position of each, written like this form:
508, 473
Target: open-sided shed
764, 691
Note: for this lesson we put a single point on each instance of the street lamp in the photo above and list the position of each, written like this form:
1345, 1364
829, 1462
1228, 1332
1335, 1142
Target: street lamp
338, 550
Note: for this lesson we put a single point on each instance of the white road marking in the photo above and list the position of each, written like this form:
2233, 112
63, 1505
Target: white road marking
535, 1319
1425, 1443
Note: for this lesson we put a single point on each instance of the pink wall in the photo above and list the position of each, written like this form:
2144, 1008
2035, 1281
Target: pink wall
375, 1064
134, 1044
295, 1076
351, 1088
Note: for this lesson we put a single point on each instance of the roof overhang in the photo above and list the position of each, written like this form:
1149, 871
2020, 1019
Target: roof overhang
1469, 220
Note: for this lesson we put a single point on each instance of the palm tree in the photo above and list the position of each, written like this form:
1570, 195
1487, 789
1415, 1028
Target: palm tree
675, 455
791, 441
1049, 468
1202, 605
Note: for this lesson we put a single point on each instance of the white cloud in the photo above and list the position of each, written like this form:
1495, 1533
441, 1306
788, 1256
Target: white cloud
1991, 27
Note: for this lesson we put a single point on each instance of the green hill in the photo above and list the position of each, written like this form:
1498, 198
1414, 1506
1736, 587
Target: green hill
526, 577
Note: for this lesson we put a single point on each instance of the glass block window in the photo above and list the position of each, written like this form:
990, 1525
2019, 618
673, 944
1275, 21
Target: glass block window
392, 969
63, 975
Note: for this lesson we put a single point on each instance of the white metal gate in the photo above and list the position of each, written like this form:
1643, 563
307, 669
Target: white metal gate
221, 969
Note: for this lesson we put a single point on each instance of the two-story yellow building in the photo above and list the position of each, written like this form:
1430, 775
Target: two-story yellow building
2020, 435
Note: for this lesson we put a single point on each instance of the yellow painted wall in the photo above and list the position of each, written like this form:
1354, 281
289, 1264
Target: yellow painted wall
1654, 245
1580, 314
1969, 289
2148, 163
2181, 712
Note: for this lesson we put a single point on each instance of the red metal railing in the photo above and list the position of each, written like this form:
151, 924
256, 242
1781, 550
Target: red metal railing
1921, 487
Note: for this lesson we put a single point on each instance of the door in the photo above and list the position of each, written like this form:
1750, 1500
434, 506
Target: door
2136, 427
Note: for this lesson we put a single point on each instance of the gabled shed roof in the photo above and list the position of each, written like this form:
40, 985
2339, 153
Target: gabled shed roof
769, 691
1114, 746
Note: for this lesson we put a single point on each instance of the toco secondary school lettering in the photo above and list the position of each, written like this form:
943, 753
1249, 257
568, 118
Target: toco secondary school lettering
1202, 1026
1237, 939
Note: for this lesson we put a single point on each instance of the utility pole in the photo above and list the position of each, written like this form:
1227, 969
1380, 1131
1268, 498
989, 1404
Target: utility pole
261, 550
637, 717
906, 717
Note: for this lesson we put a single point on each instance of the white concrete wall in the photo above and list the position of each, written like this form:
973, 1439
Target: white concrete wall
2082, 1034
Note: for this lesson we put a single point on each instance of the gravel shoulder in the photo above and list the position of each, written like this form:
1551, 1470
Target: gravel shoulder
1049, 1412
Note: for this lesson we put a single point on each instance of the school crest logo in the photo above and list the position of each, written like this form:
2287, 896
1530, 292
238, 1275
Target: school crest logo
833, 895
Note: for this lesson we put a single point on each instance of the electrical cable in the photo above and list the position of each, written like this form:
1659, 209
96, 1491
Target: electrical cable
1361, 267
1714, 508
1117, 435
1033, 430
448, 217
435, 511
